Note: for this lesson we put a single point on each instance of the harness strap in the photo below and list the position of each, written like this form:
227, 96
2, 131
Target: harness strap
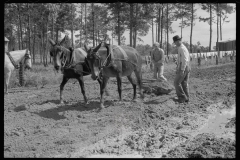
118, 59
16, 66
123, 52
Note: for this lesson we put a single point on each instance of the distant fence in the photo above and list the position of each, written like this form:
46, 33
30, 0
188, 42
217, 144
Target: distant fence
208, 58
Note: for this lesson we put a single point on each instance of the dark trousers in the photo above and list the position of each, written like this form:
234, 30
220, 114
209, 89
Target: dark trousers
181, 84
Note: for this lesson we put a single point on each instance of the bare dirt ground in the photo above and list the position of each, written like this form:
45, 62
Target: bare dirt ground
36, 125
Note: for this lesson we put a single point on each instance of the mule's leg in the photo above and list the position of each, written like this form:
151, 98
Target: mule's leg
80, 80
64, 81
106, 90
138, 74
119, 83
133, 84
102, 90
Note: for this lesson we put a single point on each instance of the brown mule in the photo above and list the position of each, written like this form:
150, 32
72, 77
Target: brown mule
115, 61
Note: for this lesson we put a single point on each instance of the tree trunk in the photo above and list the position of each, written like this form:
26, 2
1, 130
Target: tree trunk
20, 24
217, 46
29, 29
135, 28
52, 34
80, 28
167, 30
72, 25
131, 18
191, 29
156, 32
182, 20
220, 24
93, 25
210, 28
85, 24
159, 13
161, 29
42, 46
46, 44
118, 14
152, 32
96, 39
19, 40
33, 46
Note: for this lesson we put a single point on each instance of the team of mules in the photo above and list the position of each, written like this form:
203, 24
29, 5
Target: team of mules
101, 62
72, 63
11, 61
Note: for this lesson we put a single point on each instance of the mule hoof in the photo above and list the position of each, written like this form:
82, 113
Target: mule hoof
87, 102
61, 102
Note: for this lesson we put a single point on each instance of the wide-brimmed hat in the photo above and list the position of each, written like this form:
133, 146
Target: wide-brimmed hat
176, 38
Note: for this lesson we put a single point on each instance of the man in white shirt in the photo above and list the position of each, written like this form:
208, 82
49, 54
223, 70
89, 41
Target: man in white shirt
183, 71
158, 59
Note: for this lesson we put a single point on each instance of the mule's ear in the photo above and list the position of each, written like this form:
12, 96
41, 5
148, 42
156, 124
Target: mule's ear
51, 41
63, 40
86, 47
97, 48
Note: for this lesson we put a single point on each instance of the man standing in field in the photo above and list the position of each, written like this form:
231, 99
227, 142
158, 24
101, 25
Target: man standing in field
158, 59
183, 71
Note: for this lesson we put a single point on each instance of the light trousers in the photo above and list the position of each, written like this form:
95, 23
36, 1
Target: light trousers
158, 71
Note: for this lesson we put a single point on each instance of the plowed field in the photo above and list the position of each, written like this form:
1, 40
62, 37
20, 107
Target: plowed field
36, 125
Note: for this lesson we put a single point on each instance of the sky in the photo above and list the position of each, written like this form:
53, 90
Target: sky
201, 30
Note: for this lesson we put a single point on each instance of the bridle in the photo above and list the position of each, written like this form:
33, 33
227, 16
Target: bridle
16, 66
96, 56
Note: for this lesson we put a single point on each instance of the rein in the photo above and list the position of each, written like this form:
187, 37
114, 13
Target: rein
16, 66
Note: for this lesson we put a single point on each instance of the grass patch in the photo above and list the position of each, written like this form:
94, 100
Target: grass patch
37, 76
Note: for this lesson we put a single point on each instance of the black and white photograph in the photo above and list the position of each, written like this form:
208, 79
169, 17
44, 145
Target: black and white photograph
119, 80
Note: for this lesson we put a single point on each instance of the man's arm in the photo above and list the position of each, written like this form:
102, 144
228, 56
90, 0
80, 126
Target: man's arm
163, 56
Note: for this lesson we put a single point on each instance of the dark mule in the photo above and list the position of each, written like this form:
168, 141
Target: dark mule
115, 61
72, 63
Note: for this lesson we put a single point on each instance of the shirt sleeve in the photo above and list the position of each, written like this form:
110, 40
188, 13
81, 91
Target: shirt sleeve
183, 58
163, 56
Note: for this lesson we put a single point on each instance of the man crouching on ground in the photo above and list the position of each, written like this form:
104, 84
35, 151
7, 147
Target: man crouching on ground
158, 61
182, 72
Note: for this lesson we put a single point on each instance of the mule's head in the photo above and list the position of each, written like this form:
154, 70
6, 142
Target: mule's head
94, 60
27, 60
56, 52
